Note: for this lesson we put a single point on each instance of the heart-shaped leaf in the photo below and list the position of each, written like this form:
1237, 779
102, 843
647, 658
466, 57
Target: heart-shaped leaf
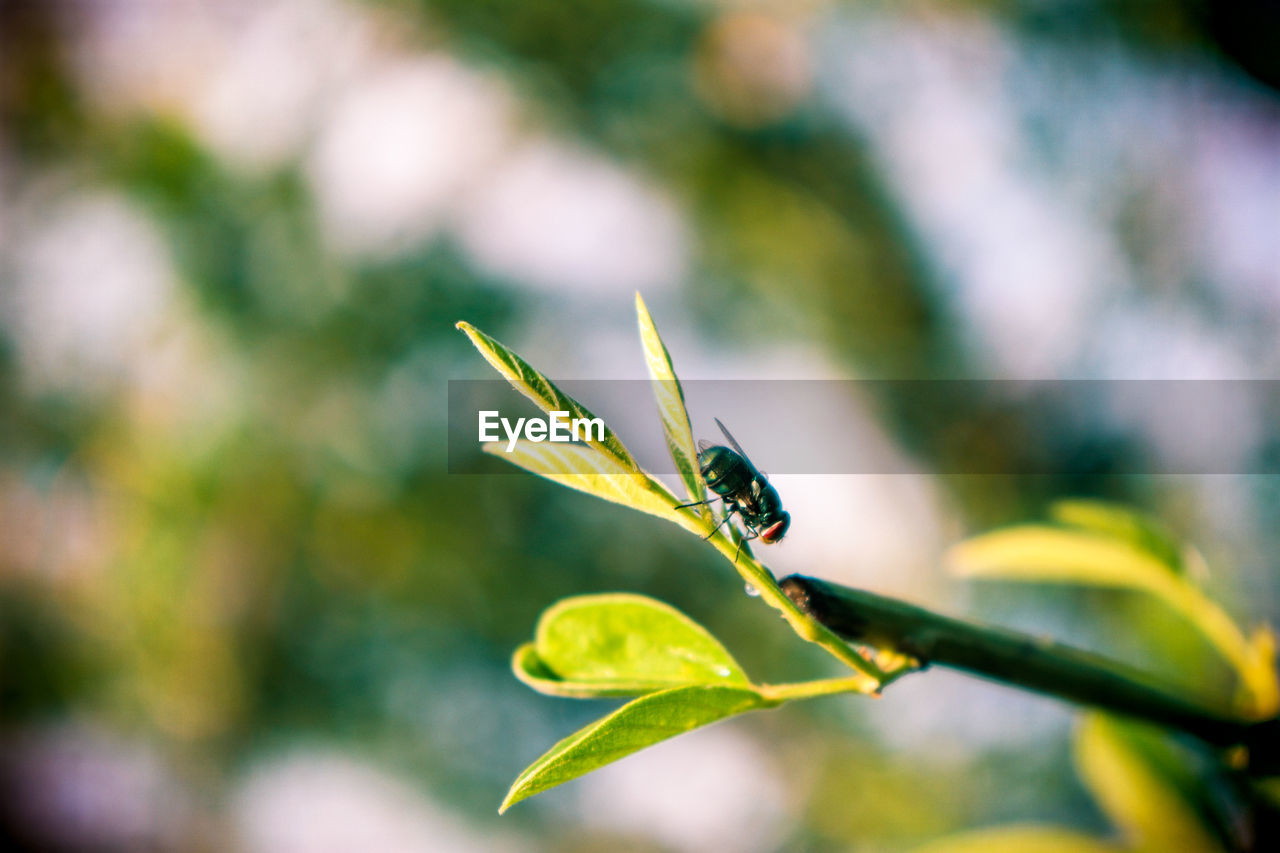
640, 723
619, 644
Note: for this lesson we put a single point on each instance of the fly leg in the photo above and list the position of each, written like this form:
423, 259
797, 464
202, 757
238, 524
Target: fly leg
730, 504
731, 507
752, 533
728, 515
699, 503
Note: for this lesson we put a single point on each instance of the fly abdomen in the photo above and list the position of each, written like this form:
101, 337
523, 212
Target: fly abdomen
724, 471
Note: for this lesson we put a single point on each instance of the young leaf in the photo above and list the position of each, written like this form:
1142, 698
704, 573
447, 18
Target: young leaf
1053, 554
587, 470
619, 644
640, 723
542, 391
671, 408
1138, 798
1124, 524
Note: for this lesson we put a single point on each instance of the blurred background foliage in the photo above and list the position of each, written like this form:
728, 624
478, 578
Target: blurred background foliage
242, 605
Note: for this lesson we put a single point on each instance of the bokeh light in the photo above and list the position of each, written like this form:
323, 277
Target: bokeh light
243, 605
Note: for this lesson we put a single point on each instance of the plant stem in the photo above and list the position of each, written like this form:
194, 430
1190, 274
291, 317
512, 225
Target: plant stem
1020, 660
871, 677
811, 689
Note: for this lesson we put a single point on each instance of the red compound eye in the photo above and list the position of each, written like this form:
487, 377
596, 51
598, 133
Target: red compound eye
775, 531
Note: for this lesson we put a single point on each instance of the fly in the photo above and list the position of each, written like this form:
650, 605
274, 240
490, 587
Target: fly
744, 490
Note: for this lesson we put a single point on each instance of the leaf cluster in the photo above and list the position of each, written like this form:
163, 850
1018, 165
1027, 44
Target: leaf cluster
628, 645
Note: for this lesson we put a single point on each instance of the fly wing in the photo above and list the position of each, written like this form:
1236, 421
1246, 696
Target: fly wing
734, 442
704, 446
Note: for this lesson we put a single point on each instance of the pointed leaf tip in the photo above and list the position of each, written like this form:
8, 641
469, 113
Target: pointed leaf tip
636, 725
671, 408
542, 392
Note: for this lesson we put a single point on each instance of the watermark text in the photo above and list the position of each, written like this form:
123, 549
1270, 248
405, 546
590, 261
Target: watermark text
556, 427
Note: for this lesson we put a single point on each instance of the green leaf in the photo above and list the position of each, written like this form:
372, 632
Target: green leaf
618, 644
542, 391
585, 469
671, 408
1141, 800
640, 723
1019, 839
1124, 524
1054, 554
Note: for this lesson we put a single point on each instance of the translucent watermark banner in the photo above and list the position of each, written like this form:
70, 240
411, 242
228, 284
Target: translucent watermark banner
997, 427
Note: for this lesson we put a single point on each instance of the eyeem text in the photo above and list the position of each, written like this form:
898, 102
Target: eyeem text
558, 427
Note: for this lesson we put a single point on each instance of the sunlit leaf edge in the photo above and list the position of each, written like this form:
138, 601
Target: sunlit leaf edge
540, 390
585, 469
669, 396
1140, 529
583, 751
530, 669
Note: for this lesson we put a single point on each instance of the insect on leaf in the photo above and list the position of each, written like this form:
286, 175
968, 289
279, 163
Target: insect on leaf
640, 723
618, 644
542, 391
671, 407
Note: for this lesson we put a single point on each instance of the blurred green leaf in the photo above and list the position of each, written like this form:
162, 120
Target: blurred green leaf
640, 723
1137, 781
1019, 839
1124, 524
542, 391
1269, 788
1142, 802
619, 644
1053, 554
1258, 672
1047, 554
671, 407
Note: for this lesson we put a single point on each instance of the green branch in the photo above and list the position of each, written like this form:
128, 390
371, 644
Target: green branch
1027, 662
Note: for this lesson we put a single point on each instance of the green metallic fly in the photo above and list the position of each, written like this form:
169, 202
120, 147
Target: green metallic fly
744, 490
